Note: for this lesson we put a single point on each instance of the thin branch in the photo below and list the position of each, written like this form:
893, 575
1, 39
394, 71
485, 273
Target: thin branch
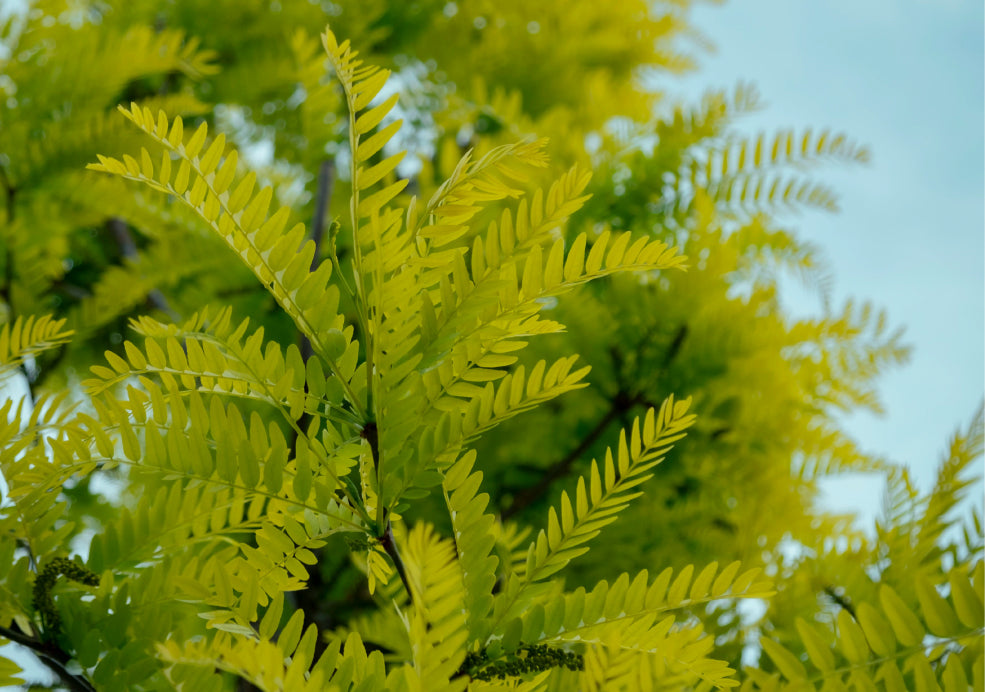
54, 657
322, 198
309, 598
843, 601
621, 403
371, 435
323, 195
674, 348
128, 249
70, 290
7, 290
390, 546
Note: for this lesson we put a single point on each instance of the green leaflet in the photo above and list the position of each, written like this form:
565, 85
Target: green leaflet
886, 642
243, 454
30, 337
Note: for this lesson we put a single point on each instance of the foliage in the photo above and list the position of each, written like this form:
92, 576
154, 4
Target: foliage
340, 491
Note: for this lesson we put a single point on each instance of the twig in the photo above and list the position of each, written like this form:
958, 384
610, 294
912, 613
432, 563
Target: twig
841, 600
675, 347
621, 403
390, 546
53, 657
371, 435
323, 195
7, 290
128, 249
307, 599
326, 176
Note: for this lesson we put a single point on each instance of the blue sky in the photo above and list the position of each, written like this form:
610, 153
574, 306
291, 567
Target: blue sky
906, 78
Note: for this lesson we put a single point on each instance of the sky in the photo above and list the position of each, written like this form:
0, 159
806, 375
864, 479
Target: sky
904, 77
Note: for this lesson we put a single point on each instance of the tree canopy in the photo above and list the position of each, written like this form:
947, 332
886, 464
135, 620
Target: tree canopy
438, 349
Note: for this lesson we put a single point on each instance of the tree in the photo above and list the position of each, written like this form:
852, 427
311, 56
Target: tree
384, 343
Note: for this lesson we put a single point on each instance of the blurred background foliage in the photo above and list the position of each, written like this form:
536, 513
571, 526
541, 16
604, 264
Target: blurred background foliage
769, 388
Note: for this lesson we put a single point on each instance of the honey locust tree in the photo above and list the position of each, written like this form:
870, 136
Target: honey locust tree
239, 454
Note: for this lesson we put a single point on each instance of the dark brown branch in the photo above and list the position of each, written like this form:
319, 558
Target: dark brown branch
7, 290
70, 290
371, 435
124, 240
390, 546
52, 656
842, 601
310, 599
621, 403
307, 599
323, 195
11, 193
128, 249
675, 346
